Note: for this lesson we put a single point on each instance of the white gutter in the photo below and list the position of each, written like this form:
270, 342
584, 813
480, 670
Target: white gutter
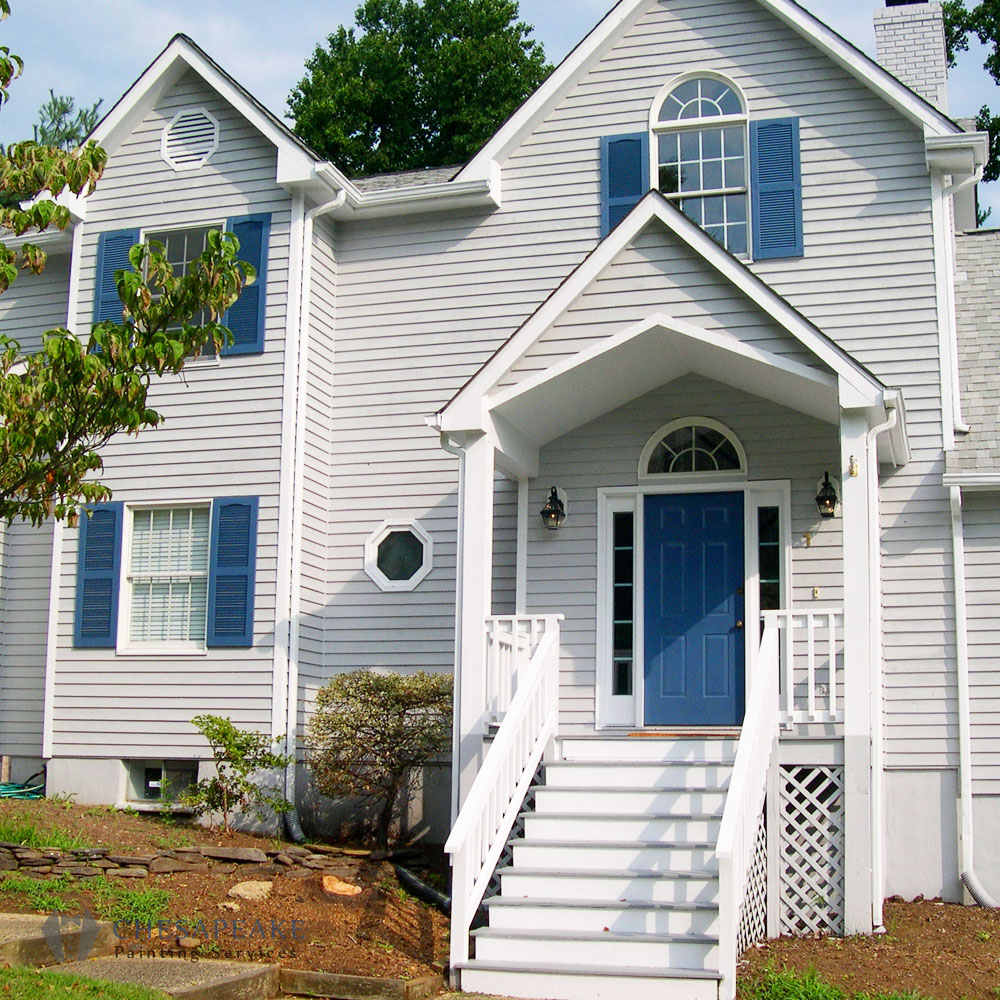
966, 856
300, 366
876, 658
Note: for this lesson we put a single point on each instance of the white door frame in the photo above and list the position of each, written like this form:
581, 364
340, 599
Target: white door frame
628, 710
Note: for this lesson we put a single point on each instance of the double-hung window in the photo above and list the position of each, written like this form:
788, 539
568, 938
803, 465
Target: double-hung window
167, 576
701, 144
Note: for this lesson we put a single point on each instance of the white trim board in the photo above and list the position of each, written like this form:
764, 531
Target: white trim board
858, 386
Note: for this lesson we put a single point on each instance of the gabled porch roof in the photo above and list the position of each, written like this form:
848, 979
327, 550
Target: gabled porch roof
543, 405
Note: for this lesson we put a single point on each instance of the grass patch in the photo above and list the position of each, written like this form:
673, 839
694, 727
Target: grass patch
113, 901
44, 896
784, 984
30, 984
16, 830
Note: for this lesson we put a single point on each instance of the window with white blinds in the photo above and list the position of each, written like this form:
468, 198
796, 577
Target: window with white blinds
168, 575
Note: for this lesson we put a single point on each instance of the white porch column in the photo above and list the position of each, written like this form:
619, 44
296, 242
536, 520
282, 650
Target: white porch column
857, 671
475, 586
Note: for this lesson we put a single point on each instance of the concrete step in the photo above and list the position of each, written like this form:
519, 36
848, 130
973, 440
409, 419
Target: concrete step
643, 828
693, 776
609, 884
618, 801
616, 916
566, 981
650, 748
663, 857
643, 951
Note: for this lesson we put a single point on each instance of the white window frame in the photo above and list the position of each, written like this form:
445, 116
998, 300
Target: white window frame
658, 128
125, 645
627, 711
669, 428
194, 164
371, 554
147, 233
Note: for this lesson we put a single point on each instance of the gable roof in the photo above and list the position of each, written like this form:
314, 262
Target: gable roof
859, 387
622, 16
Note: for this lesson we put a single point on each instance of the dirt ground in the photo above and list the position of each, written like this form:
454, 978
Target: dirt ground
940, 950
383, 931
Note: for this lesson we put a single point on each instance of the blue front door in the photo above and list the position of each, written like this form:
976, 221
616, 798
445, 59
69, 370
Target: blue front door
693, 630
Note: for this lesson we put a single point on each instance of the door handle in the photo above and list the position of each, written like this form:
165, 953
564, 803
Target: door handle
739, 623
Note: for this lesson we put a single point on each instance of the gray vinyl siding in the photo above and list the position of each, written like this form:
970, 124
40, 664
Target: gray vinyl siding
981, 517
425, 301
220, 437
35, 303
24, 595
504, 545
562, 566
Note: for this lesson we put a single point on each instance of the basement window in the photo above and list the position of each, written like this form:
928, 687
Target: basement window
161, 781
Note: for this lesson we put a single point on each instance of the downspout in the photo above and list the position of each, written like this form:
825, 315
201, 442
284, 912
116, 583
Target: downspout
291, 819
876, 660
965, 825
456, 700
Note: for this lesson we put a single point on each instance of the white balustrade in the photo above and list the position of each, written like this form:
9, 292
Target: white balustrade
811, 654
738, 831
530, 723
511, 641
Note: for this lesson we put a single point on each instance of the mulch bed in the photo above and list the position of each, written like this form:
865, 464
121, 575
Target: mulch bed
383, 931
940, 950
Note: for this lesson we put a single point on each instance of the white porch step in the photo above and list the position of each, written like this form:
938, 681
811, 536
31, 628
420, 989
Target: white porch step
573, 982
649, 748
638, 774
618, 916
618, 801
648, 827
644, 951
662, 856
609, 884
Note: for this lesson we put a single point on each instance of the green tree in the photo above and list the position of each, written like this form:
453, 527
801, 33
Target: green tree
371, 731
416, 84
58, 126
59, 406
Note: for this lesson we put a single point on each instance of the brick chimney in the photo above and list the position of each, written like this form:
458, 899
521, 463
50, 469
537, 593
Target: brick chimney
910, 43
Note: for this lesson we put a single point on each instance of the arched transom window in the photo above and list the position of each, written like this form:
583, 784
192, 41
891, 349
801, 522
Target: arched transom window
692, 446
700, 137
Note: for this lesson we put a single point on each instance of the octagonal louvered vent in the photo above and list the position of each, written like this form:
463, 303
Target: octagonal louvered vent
190, 139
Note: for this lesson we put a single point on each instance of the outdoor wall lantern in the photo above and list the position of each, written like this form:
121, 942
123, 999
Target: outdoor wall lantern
826, 499
554, 512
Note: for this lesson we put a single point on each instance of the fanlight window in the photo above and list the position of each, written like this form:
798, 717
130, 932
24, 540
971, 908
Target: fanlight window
700, 137
694, 448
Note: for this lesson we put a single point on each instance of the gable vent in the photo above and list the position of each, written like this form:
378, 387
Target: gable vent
190, 139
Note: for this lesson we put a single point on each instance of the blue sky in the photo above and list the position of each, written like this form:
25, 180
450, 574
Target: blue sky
96, 48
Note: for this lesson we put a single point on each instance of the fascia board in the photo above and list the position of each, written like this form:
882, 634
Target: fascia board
419, 198
972, 480
957, 154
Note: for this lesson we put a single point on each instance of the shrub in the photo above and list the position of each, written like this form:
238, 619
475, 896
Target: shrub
238, 755
371, 730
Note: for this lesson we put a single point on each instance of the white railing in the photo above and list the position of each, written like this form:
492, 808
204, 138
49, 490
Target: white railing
511, 641
811, 652
485, 820
744, 801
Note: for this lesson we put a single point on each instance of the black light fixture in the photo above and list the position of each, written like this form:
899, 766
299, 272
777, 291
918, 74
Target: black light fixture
826, 499
554, 511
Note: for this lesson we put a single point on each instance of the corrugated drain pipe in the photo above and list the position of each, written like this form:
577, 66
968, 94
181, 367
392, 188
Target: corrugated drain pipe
291, 818
965, 822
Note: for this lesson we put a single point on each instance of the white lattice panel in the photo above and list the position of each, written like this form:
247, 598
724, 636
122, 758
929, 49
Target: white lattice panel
753, 913
812, 849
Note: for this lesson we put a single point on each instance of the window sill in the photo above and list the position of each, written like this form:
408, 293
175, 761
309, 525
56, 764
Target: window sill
148, 652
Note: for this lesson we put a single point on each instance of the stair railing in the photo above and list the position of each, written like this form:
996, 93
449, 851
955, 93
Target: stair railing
511, 641
485, 820
745, 799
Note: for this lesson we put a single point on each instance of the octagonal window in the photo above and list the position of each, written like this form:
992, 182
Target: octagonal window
398, 555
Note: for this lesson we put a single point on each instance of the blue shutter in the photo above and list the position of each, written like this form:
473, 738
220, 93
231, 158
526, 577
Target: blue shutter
112, 255
776, 188
245, 318
624, 176
98, 573
231, 573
